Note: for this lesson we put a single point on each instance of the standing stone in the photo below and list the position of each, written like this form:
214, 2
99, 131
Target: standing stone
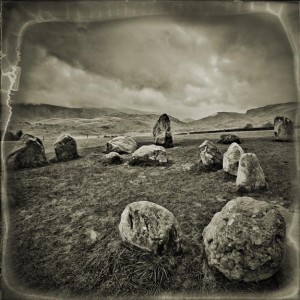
149, 154
65, 148
246, 240
162, 132
283, 129
250, 175
231, 158
121, 144
28, 152
210, 155
229, 138
149, 226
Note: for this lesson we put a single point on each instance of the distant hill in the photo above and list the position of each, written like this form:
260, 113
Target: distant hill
258, 117
87, 120
188, 120
112, 121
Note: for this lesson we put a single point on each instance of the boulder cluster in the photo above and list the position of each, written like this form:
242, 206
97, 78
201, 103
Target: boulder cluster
245, 240
29, 152
245, 166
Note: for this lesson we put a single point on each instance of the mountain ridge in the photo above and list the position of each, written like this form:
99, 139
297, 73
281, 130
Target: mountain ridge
114, 120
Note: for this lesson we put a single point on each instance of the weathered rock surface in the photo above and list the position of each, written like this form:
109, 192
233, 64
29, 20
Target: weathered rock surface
65, 148
210, 155
149, 226
112, 158
283, 129
246, 240
149, 154
250, 175
121, 144
28, 152
229, 138
231, 158
162, 132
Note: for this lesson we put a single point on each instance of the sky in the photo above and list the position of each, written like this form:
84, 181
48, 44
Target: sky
182, 66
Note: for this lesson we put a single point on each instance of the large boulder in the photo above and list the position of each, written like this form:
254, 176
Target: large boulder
246, 240
65, 148
28, 152
231, 158
228, 138
162, 132
250, 175
283, 129
210, 155
150, 226
121, 144
151, 154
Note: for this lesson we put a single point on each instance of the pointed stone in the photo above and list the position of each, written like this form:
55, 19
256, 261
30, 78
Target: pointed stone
250, 175
162, 132
231, 158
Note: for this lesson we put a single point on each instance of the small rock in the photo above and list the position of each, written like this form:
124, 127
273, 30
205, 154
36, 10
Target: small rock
93, 235
250, 175
229, 138
231, 158
149, 226
112, 158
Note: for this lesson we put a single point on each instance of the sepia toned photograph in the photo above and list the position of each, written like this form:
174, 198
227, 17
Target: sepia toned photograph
150, 149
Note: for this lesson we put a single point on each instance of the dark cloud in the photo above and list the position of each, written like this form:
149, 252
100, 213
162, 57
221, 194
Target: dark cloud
185, 66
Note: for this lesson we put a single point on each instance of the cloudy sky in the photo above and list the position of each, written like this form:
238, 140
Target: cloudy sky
186, 67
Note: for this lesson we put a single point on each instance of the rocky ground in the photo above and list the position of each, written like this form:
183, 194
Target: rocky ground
65, 220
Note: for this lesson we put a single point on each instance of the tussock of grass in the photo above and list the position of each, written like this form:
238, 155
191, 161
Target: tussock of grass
57, 206
126, 270
148, 163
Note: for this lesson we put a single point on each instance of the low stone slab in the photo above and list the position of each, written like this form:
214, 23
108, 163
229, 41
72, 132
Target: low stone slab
149, 154
121, 145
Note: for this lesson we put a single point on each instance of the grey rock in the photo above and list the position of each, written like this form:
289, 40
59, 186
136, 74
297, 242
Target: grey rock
283, 129
65, 148
28, 152
231, 159
121, 144
162, 132
250, 175
246, 240
112, 158
229, 138
210, 155
150, 227
149, 155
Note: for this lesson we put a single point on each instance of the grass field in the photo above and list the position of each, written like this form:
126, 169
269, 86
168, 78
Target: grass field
65, 220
